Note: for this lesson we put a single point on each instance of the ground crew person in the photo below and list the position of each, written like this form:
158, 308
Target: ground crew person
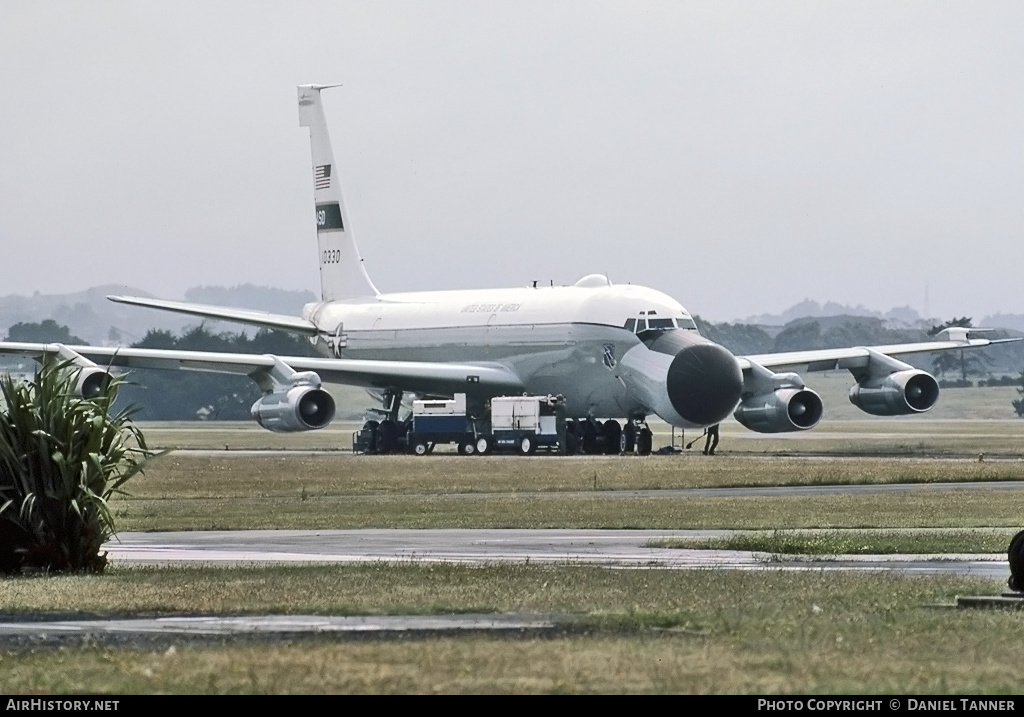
712, 442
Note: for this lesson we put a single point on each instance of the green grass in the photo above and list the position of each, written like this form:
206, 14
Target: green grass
653, 631
921, 509
189, 492
212, 476
853, 542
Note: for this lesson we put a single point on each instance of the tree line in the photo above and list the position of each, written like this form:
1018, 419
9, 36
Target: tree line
187, 395
183, 395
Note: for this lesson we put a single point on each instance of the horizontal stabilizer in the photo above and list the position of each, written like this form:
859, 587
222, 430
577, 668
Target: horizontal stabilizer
263, 319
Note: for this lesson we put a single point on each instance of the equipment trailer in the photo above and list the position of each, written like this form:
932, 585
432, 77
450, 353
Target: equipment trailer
442, 421
512, 423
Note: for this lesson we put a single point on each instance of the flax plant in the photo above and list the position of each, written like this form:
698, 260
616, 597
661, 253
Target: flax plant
61, 459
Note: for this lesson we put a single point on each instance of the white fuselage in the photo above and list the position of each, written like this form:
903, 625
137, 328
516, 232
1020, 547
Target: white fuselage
565, 340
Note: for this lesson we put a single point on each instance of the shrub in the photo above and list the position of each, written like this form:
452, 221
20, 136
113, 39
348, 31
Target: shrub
1018, 404
61, 458
1000, 381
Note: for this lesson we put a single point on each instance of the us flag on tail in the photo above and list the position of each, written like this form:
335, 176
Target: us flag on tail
322, 176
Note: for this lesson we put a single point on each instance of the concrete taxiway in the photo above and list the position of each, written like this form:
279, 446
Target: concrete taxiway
613, 548
217, 628
622, 549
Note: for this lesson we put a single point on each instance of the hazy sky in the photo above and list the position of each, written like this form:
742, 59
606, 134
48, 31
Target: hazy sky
738, 156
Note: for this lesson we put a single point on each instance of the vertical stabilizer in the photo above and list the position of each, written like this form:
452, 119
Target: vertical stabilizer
342, 274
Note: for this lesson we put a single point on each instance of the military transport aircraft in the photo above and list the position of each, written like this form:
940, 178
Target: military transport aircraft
616, 353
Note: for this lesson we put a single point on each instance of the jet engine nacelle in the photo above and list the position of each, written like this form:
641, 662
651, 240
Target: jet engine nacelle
786, 409
300, 408
683, 378
897, 394
92, 381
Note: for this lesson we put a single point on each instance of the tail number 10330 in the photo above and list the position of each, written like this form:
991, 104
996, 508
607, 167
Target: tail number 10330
331, 256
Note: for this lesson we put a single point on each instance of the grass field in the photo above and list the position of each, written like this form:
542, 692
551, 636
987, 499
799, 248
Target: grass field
648, 631
234, 491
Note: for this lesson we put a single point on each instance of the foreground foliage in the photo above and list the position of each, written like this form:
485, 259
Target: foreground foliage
61, 459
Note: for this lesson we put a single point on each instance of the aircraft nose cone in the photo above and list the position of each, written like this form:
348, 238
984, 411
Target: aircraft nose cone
704, 383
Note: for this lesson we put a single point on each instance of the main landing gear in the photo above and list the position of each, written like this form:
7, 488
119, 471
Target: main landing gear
386, 435
609, 437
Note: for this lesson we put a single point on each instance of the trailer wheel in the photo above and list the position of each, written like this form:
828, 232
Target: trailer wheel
387, 436
467, 447
369, 432
527, 445
420, 448
483, 445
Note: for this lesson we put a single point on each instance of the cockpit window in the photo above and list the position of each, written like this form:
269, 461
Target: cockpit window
651, 323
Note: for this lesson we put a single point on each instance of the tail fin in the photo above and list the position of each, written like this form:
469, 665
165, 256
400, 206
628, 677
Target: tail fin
342, 274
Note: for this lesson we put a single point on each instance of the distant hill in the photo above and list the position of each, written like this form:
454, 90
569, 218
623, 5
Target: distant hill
98, 321
1003, 321
249, 296
899, 317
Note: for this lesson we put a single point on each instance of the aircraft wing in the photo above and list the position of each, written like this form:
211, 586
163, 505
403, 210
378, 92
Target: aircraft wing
855, 357
263, 319
414, 376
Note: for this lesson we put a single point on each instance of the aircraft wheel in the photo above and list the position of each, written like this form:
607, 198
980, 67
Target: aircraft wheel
1015, 556
527, 445
612, 436
589, 438
572, 443
645, 442
483, 445
627, 439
